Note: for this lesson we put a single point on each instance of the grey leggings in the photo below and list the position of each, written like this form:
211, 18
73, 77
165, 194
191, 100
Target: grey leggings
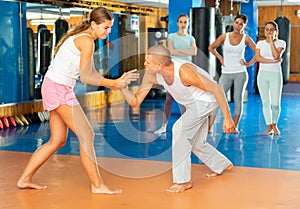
239, 80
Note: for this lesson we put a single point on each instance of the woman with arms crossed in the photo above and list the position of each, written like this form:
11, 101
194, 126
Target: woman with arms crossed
182, 46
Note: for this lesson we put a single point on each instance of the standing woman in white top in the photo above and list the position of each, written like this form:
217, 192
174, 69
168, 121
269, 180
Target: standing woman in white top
74, 58
269, 79
182, 46
234, 70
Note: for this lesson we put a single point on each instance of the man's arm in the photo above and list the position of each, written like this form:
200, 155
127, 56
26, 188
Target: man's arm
134, 100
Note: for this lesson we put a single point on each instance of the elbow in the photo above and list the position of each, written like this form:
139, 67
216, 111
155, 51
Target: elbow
83, 80
134, 103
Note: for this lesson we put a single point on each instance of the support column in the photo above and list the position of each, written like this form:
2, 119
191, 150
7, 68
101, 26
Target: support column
250, 9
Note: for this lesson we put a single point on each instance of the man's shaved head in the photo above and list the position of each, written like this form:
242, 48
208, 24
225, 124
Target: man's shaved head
161, 54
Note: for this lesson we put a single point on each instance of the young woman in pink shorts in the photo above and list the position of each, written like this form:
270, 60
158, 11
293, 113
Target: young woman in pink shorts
74, 59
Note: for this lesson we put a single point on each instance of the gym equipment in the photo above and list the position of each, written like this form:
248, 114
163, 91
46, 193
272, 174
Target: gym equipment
151, 94
284, 27
5, 122
156, 35
220, 29
18, 121
41, 116
23, 119
11, 121
203, 29
61, 27
43, 50
28, 118
31, 62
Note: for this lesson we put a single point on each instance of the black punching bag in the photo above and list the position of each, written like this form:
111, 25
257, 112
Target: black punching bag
220, 29
203, 29
284, 27
31, 63
44, 53
61, 27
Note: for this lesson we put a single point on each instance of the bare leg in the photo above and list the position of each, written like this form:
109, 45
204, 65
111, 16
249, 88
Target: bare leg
75, 119
269, 131
216, 174
275, 129
176, 188
41, 155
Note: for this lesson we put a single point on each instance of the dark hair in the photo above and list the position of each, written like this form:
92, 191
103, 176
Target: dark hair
275, 26
98, 15
182, 15
243, 17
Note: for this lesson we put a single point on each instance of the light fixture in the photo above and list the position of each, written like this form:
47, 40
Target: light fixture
297, 12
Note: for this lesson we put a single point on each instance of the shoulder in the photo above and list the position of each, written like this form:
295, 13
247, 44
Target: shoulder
281, 42
84, 42
172, 35
260, 43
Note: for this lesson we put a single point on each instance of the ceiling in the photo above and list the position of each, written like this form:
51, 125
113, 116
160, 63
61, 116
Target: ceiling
37, 10
164, 3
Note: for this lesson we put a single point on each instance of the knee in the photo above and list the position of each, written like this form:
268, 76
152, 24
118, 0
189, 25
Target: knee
275, 107
57, 143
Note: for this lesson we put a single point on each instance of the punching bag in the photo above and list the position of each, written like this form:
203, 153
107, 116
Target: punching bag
220, 29
31, 62
203, 29
44, 54
284, 27
61, 27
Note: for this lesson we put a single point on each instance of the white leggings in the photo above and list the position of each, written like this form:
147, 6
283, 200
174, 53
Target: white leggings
270, 88
189, 135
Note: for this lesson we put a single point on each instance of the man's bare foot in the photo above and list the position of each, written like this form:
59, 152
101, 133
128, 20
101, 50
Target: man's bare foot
29, 185
105, 190
176, 188
216, 174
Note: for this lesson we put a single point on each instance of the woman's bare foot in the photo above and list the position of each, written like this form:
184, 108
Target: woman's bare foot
275, 129
235, 131
268, 132
105, 190
176, 188
29, 185
216, 174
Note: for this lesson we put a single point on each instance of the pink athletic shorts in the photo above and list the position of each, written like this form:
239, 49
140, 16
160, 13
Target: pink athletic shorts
55, 94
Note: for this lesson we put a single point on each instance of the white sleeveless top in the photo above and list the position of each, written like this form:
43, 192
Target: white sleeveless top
232, 55
64, 68
186, 94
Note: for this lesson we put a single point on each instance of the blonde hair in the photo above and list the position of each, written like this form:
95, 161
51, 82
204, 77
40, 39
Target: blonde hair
98, 15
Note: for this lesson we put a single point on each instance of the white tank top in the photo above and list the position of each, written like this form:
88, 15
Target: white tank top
232, 55
64, 68
186, 94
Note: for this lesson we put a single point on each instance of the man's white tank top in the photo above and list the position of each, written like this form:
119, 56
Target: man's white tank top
232, 55
185, 94
64, 68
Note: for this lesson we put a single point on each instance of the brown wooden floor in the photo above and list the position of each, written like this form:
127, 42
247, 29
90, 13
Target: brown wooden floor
68, 187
